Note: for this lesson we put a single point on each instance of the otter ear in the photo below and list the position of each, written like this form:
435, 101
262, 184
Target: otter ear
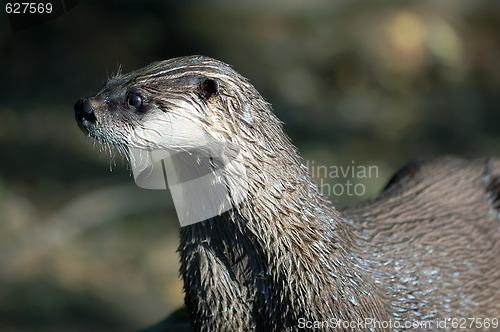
207, 88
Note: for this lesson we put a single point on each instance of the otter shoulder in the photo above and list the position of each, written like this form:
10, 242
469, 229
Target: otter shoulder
439, 184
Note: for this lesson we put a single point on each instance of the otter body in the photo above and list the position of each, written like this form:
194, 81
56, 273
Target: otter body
426, 249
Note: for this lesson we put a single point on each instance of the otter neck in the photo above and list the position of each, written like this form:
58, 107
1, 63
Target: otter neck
282, 255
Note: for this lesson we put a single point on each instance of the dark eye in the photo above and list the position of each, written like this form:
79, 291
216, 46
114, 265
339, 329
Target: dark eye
134, 100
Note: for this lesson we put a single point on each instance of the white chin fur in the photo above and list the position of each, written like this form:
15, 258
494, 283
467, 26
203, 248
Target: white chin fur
171, 146
169, 131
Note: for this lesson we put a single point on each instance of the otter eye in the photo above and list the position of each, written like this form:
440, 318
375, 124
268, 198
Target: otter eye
134, 100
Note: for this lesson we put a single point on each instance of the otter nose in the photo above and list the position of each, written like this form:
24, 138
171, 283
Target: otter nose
83, 111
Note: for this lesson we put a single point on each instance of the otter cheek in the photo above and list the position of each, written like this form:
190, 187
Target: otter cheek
170, 132
187, 134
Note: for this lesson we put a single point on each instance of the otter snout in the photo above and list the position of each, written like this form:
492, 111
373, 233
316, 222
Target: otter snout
84, 114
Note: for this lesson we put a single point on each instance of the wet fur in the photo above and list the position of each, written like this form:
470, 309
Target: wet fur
427, 248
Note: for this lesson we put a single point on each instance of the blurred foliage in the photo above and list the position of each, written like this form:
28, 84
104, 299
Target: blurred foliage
370, 83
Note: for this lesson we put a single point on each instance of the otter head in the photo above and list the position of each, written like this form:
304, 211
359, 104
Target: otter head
198, 111
184, 104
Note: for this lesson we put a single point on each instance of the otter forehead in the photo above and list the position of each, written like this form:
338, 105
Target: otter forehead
179, 75
181, 72
193, 65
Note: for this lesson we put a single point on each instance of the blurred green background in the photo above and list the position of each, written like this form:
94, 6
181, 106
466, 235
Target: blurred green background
373, 83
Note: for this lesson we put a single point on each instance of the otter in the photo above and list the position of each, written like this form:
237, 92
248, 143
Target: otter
424, 252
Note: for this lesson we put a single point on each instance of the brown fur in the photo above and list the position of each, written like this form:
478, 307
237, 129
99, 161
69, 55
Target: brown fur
427, 248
